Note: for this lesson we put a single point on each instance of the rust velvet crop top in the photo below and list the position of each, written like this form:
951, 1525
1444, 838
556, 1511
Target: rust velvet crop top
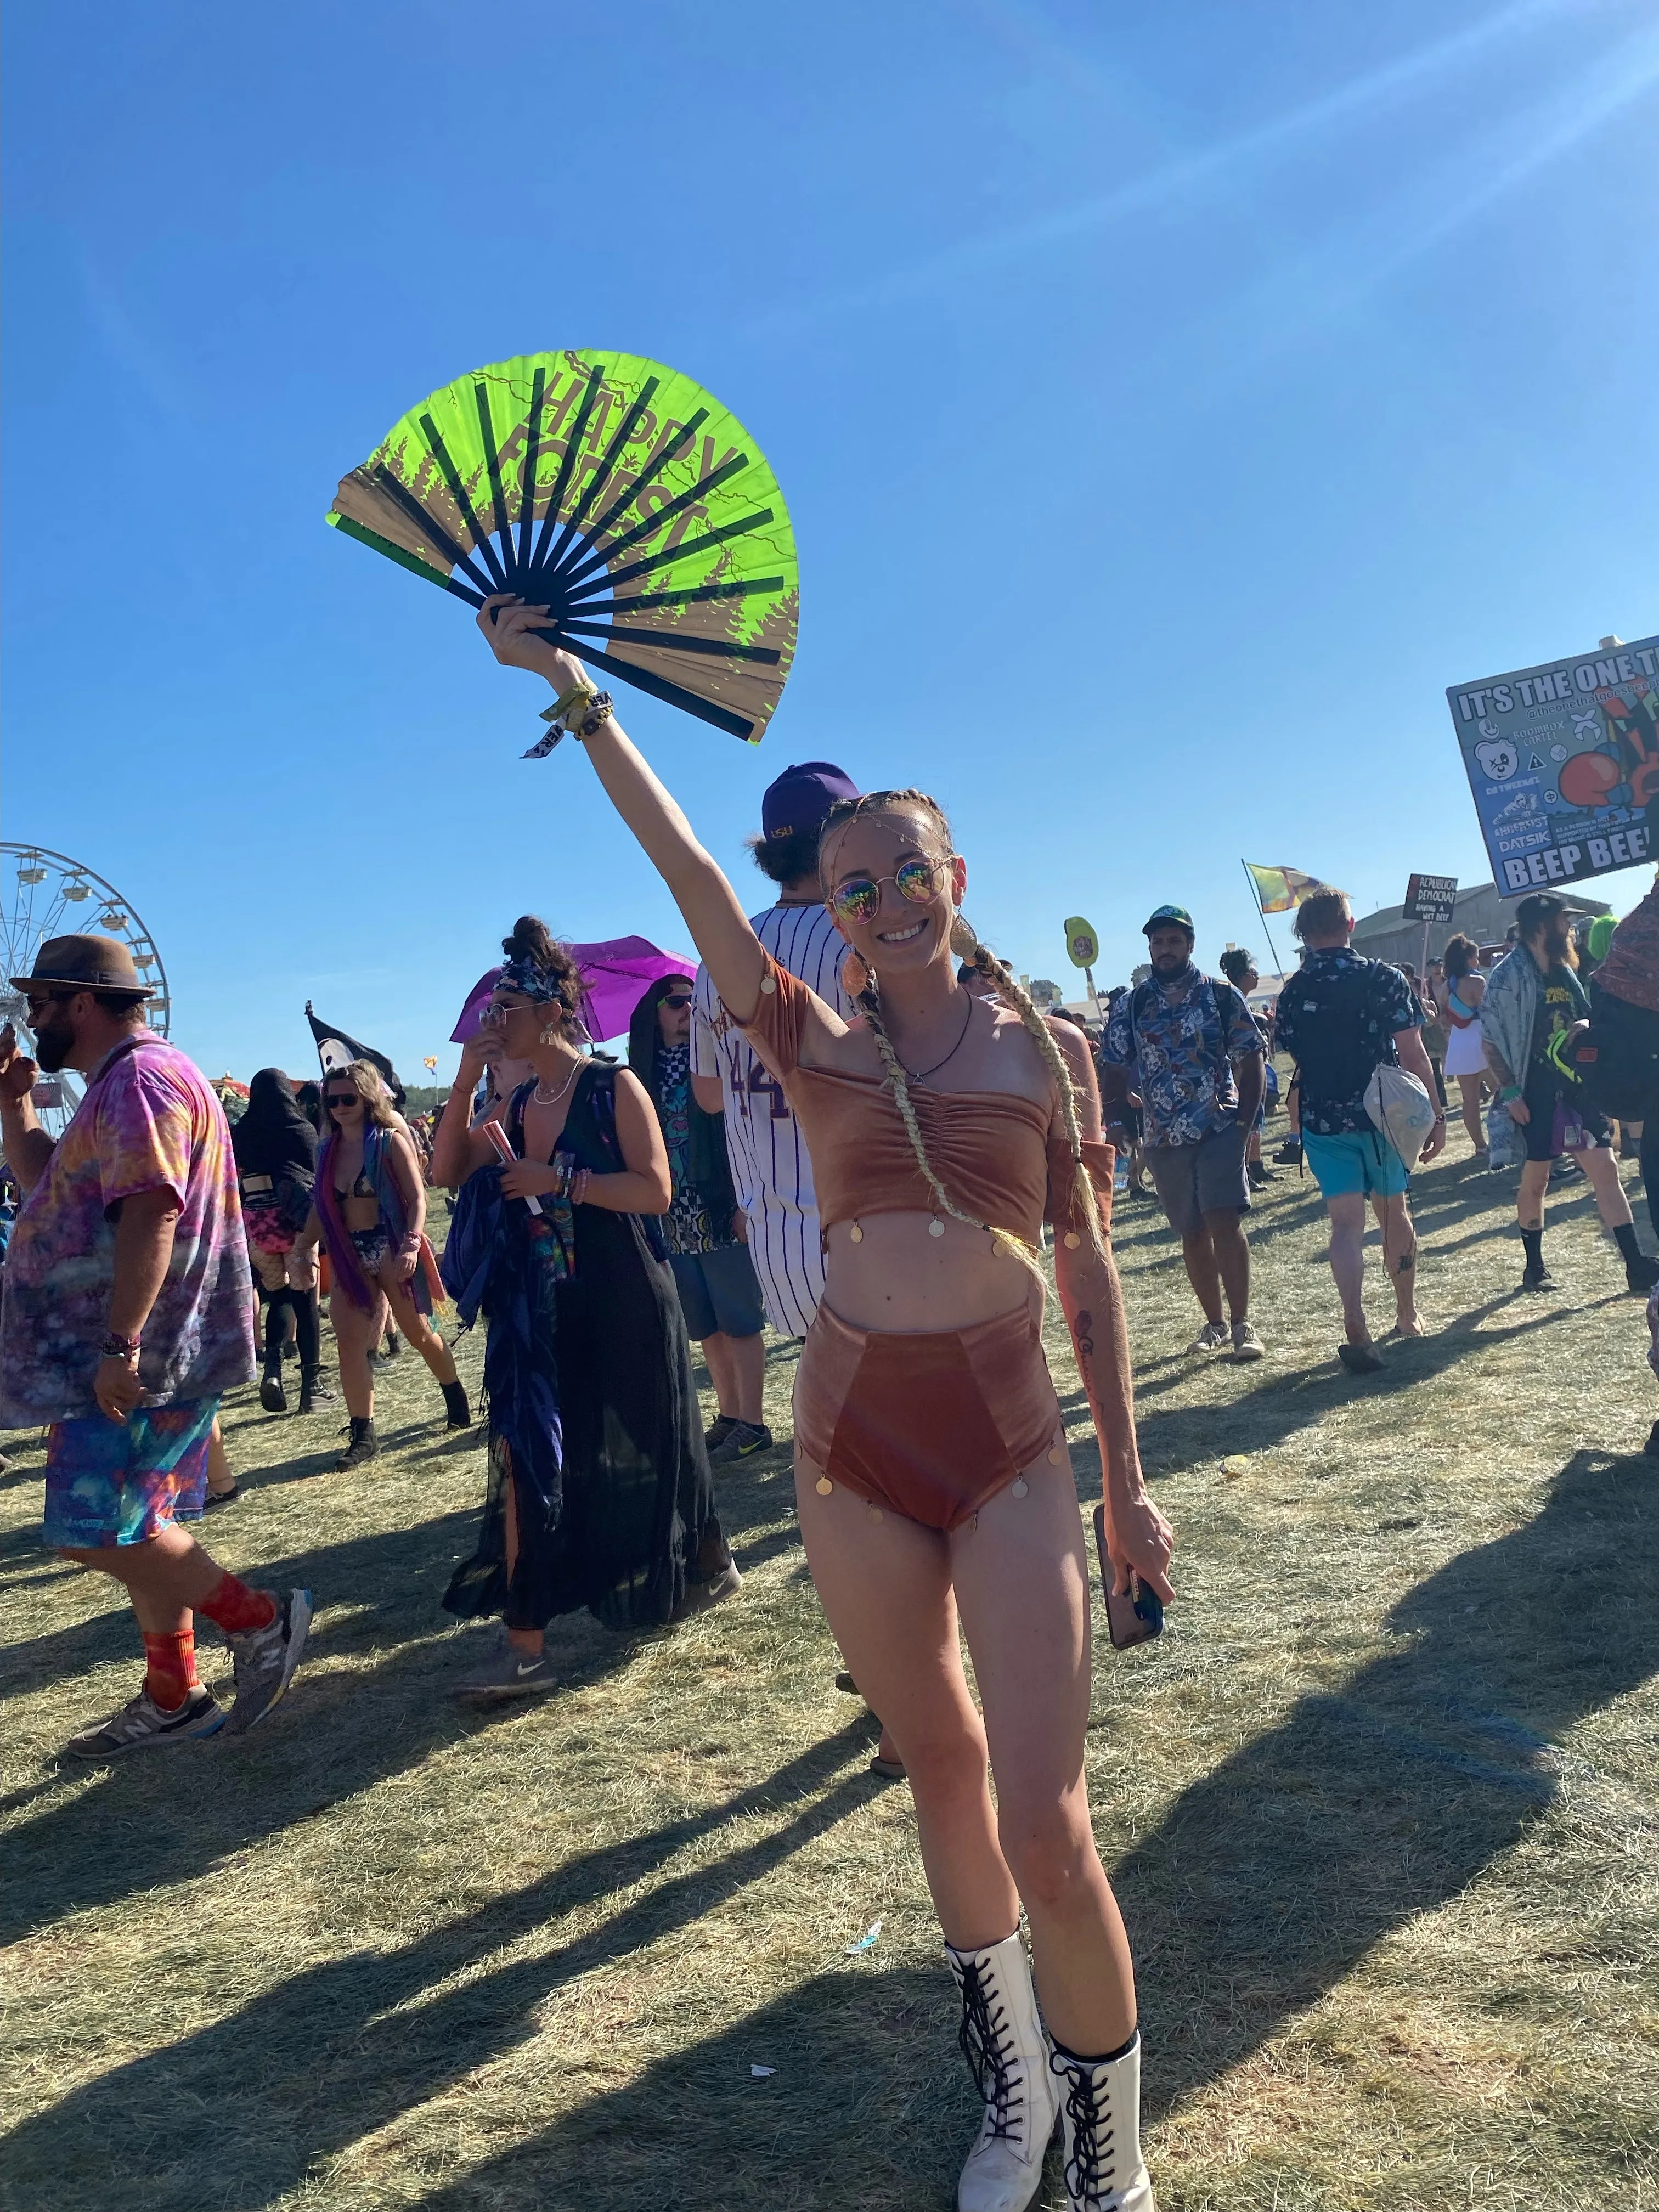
992, 1149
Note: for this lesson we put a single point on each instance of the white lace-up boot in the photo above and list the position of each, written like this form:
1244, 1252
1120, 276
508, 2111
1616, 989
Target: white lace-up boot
1100, 2107
1003, 2042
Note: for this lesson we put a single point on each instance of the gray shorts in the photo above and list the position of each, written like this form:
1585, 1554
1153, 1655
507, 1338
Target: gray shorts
1208, 1177
720, 1292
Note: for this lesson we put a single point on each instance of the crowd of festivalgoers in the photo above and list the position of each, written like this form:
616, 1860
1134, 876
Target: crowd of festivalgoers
851, 1122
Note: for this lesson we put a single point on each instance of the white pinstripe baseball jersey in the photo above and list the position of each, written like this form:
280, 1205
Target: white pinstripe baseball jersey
770, 1162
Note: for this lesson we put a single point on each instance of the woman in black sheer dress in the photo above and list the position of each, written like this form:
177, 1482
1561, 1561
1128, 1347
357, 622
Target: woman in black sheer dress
600, 1493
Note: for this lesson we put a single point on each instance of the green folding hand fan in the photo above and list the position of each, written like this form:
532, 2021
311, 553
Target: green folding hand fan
619, 494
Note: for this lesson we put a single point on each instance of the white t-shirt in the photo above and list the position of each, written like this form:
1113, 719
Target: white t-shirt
770, 1162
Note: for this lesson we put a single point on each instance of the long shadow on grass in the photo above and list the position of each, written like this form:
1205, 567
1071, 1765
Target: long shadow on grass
1269, 1880
855, 2117
340, 2050
1177, 1437
341, 1732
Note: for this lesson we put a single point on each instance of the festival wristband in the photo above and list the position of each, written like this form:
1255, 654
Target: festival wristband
116, 1346
1509, 1091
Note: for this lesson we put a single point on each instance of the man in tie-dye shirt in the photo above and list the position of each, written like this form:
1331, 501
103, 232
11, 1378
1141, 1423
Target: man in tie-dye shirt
128, 1309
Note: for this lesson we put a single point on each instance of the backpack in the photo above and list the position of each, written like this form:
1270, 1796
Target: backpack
1338, 1064
1617, 1059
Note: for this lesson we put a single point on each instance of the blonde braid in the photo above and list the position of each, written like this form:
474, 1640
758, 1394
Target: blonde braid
1003, 980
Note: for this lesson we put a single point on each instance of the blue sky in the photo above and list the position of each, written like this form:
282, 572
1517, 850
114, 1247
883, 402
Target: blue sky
1171, 404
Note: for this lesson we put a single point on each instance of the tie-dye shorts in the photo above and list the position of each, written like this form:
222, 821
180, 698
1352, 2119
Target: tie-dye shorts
117, 1482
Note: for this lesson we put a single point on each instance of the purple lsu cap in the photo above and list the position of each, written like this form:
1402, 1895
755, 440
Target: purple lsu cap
797, 803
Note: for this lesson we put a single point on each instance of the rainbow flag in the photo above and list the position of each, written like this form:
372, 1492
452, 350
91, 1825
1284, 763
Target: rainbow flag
1278, 889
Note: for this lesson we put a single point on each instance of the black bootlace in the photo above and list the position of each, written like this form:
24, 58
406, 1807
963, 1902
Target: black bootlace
1089, 2170
987, 2045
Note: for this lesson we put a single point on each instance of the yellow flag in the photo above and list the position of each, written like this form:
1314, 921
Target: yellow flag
1280, 888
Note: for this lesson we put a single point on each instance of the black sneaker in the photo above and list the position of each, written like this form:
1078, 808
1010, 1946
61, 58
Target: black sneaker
272, 1396
1641, 1274
1289, 1154
718, 1431
265, 1659
141, 1725
743, 1441
1539, 1279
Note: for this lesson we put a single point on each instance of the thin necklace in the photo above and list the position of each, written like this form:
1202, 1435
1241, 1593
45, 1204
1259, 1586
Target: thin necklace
562, 1088
920, 1075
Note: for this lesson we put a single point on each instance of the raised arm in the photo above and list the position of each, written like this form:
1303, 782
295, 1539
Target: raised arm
28, 1146
457, 1150
709, 904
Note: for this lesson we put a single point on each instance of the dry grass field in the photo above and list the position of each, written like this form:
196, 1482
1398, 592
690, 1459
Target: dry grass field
1380, 1808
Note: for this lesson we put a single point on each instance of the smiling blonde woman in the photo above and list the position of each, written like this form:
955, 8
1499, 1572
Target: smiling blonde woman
934, 1487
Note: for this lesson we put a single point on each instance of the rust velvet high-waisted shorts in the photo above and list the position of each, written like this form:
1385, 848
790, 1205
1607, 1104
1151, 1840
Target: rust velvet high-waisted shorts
930, 1426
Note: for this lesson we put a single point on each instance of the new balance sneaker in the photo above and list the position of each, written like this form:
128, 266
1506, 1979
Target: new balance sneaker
509, 1673
141, 1724
1214, 1336
741, 1441
265, 1659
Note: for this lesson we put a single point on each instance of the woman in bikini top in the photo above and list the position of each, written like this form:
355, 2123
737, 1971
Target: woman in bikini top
932, 1477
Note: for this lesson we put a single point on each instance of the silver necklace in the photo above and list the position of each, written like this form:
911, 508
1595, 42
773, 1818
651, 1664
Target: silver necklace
559, 1093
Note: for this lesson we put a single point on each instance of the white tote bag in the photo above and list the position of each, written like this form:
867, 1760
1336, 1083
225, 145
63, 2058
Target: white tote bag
1401, 1109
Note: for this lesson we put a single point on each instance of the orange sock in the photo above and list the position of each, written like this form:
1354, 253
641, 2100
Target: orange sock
170, 1668
232, 1605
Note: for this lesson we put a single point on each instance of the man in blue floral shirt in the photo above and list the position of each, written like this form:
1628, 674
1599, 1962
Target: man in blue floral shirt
1202, 1069
1340, 1018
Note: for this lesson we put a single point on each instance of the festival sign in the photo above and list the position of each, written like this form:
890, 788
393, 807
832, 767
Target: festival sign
1430, 898
1562, 760
1082, 945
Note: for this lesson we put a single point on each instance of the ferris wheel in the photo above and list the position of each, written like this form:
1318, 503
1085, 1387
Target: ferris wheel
45, 894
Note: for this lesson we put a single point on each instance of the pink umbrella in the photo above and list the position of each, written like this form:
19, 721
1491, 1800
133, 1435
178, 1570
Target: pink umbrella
616, 975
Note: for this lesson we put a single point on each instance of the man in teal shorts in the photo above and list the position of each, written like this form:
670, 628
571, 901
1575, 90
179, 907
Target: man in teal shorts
1340, 1018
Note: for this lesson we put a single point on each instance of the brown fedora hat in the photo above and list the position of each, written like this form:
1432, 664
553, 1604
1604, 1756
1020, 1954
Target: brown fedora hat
84, 964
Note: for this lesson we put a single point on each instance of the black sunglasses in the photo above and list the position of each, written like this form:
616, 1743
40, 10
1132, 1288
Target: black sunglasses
676, 998
344, 1098
35, 999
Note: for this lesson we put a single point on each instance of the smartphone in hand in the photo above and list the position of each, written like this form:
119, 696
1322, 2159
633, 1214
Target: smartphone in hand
1134, 1615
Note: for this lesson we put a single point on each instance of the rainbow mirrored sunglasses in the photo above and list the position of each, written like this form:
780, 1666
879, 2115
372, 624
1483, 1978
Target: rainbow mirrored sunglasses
859, 899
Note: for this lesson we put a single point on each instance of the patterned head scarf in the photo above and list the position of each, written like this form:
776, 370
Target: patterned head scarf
534, 981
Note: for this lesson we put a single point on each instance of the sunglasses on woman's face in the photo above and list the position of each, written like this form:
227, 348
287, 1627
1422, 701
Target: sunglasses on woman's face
338, 1098
677, 1000
859, 899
